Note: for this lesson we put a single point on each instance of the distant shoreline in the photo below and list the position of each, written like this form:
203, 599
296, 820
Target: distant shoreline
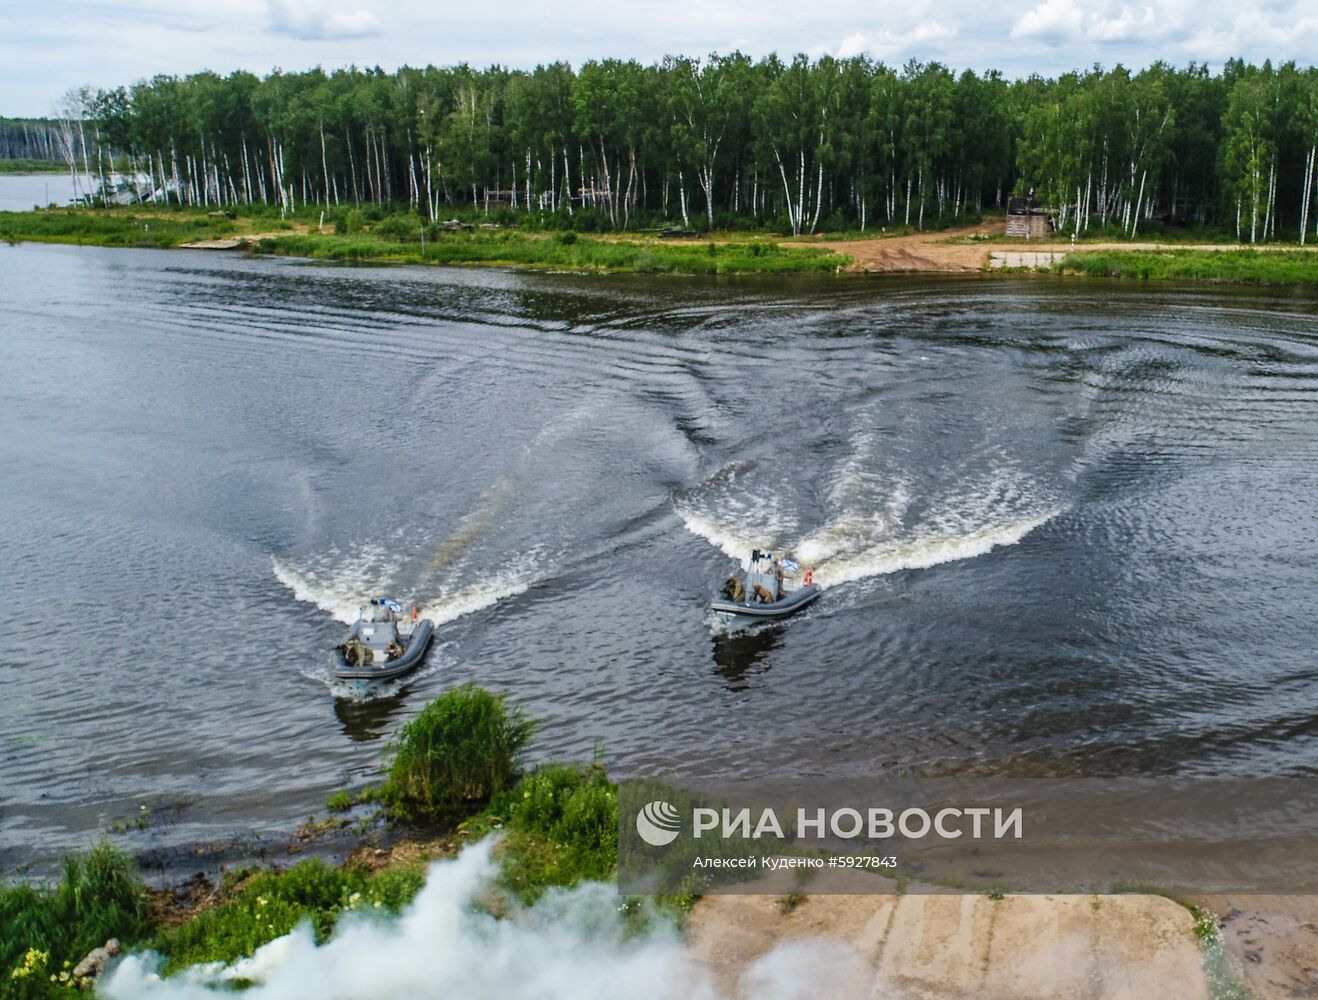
977, 249
33, 167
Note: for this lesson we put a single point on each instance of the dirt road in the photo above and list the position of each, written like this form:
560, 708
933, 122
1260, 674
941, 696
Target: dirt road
945, 251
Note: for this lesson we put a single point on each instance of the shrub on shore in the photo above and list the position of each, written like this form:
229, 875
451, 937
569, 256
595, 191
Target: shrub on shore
462, 749
561, 826
45, 931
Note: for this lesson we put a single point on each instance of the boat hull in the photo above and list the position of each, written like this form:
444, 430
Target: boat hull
751, 611
417, 644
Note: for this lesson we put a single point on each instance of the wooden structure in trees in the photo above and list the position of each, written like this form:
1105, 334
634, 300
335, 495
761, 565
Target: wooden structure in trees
1026, 220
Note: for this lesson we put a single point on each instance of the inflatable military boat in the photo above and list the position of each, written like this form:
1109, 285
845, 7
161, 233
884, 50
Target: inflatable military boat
379, 646
768, 590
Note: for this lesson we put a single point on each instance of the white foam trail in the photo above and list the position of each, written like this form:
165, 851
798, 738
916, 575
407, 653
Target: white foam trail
476, 597
343, 597
340, 598
727, 538
925, 551
876, 530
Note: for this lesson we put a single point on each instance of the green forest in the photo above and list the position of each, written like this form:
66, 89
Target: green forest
726, 142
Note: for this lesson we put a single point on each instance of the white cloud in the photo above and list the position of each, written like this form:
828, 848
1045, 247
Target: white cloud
1129, 24
110, 42
1052, 20
1070, 21
921, 38
1256, 28
312, 20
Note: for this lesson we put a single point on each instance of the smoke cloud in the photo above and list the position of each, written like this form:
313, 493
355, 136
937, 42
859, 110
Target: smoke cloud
571, 944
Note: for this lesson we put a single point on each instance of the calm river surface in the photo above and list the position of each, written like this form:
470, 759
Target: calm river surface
1065, 527
23, 192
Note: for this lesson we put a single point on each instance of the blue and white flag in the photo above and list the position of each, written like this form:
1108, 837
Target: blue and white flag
391, 604
791, 566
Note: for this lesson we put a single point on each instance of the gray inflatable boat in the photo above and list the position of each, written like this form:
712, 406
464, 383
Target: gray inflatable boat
378, 646
767, 591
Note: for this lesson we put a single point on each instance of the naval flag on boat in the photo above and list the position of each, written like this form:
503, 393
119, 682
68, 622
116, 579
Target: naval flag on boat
791, 566
391, 604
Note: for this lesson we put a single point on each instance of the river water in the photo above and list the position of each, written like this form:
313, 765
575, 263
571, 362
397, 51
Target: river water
24, 192
1065, 527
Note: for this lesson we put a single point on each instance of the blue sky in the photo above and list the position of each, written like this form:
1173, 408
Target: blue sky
46, 50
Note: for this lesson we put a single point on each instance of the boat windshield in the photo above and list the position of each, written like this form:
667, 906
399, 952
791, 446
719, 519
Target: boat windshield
382, 609
772, 576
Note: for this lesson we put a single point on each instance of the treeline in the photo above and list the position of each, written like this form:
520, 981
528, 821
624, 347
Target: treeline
727, 142
29, 139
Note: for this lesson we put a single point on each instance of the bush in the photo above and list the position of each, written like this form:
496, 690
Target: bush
462, 749
561, 827
348, 222
400, 228
100, 896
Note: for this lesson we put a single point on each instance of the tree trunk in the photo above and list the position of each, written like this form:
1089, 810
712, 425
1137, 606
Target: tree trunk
324, 163
1306, 192
1135, 219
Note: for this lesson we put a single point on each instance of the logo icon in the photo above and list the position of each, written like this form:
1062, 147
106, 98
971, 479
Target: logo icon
658, 823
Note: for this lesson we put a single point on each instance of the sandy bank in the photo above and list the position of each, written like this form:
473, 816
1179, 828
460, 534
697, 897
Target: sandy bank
945, 250
946, 946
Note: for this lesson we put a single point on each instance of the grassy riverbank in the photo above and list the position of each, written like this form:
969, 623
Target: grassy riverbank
372, 234
113, 228
562, 251
33, 167
1253, 267
450, 779
403, 238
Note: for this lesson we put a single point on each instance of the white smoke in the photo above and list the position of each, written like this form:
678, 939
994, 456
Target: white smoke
573, 944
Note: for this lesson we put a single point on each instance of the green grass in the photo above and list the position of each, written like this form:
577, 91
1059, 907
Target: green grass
264, 905
1266, 267
33, 167
111, 229
46, 930
368, 235
560, 827
1223, 981
462, 749
563, 251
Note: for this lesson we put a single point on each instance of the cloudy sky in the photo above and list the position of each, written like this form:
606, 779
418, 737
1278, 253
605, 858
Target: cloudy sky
46, 50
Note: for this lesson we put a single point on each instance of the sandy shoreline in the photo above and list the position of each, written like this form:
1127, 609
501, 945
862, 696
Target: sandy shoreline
944, 946
944, 251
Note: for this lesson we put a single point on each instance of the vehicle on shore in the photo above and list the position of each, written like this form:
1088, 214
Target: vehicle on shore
769, 590
381, 645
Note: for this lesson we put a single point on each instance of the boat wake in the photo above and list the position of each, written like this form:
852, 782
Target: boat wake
879, 528
921, 552
729, 514
342, 587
